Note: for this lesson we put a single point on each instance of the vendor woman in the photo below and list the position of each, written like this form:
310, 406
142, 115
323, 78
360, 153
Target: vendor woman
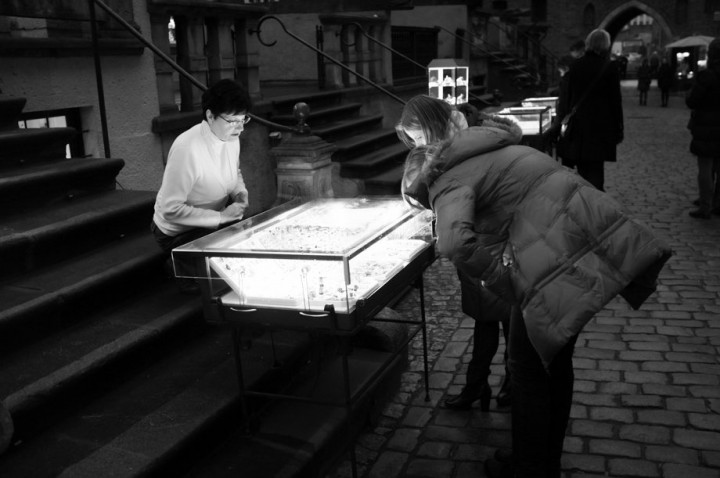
202, 187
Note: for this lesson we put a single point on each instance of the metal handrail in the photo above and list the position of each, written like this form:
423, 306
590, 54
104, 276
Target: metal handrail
178, 68
494, 55
320, 52
553, 57
390, 49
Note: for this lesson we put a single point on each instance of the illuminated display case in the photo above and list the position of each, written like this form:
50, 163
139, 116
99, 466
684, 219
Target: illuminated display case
448, 80
334, 259
550, 101
533, 120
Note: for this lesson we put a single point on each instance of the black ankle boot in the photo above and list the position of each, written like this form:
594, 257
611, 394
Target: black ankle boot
496, 469
467, 397
504, 399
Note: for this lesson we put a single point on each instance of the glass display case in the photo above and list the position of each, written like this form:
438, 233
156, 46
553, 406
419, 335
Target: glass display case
338, 259
448, 80
549, 101
533, 120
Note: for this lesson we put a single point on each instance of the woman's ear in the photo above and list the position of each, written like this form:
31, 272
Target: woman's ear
209, 116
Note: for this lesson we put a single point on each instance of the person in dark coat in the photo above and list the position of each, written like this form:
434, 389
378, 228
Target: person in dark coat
664, 81
538, 236
644, 78
597, 126
704, 100
487, 310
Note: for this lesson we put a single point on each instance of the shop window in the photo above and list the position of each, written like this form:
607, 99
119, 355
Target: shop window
589, 16
58, 119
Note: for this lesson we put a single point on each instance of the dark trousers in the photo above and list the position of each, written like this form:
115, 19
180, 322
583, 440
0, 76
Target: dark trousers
593, 172
486, 340
664, 96
708, 183
541, 401
168, 243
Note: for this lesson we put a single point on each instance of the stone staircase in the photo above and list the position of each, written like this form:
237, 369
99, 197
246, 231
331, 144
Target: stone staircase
366, 151
105, 369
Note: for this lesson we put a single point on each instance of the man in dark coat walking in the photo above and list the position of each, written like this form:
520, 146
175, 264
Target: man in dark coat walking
593, 87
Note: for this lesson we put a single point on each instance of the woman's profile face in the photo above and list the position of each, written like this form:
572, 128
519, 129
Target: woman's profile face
416, 135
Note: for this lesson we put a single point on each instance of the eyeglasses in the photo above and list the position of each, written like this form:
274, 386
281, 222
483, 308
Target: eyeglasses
236, 122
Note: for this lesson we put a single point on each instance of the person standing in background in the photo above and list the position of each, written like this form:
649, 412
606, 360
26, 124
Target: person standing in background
664, 81
593, 89
704, 101
644, 78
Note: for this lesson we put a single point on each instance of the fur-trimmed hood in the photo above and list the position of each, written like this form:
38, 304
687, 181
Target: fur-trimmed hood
425, 164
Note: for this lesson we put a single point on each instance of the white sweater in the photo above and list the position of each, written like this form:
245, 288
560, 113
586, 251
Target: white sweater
202, 172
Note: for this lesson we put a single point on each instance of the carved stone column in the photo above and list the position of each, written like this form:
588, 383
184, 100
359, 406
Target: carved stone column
304, 168
303, 163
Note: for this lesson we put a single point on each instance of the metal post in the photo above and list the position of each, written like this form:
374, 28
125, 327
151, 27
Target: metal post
98, 77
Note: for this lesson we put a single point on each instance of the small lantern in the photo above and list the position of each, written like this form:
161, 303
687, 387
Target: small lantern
448, 80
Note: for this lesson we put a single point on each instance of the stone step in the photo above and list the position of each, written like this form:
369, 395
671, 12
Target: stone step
155, 419
302, 439
363, 142
335, 129
33, 144
387, 182
38, 184
42, 378
10, 110
322, 114
371, 163
316, 98
72, 226
54, 297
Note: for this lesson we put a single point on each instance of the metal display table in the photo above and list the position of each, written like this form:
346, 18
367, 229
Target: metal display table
325, 267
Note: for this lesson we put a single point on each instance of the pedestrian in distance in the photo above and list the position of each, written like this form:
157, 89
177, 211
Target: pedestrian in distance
202, 187
540, 237
487, 310
644, 79
703, 99
592, 94
664, 81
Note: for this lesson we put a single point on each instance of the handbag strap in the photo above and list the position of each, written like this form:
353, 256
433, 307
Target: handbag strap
590, 88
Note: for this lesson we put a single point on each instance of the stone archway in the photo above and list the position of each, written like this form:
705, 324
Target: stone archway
617, 18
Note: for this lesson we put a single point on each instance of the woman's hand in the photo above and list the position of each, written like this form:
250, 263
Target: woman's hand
234, 212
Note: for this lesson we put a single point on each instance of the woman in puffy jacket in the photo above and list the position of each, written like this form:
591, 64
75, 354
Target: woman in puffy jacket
539, 236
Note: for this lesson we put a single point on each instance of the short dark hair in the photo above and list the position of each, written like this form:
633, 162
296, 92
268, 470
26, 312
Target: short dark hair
226, 96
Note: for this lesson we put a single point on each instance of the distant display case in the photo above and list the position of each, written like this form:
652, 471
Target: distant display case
533, 120
549, 101
448, 80
326, 263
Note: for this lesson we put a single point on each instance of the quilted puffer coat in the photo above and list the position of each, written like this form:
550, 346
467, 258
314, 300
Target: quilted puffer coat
574, 247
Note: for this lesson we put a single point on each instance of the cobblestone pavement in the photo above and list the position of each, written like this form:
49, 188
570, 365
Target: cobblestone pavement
647, 389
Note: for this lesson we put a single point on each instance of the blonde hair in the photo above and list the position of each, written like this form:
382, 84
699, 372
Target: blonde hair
437, 119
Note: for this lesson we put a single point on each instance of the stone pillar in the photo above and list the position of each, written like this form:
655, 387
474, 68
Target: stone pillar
304, 167
163, 71
190, 35
333, 47
247, 55
221, 61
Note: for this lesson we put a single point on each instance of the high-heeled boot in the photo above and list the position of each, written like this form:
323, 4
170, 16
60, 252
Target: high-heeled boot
504, 399
468, 396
